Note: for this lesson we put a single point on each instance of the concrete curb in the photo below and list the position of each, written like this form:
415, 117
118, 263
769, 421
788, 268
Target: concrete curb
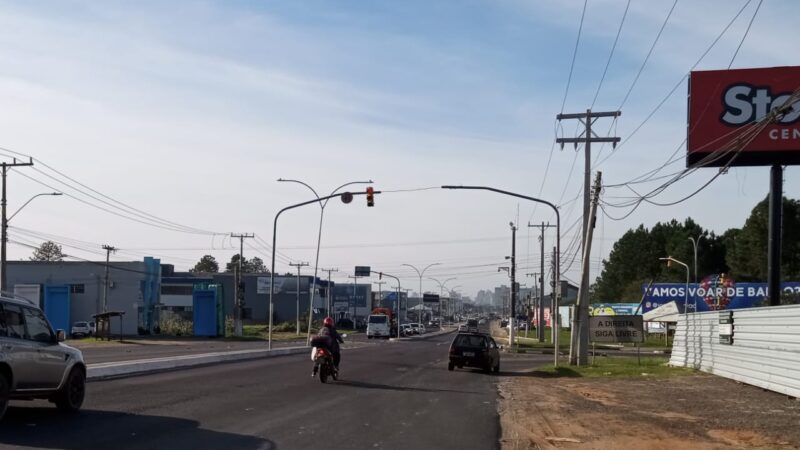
132, 368
421, 337
119, 369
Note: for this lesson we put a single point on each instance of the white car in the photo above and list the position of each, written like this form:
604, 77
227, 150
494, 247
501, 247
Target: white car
418, 328
82, 329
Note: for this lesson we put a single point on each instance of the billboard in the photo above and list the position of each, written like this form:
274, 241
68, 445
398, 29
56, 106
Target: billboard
711, 296
722, 103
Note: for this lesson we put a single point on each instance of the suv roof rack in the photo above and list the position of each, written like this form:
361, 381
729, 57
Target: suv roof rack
19, 298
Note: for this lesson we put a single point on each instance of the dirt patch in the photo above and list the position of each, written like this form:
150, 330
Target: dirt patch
693, 412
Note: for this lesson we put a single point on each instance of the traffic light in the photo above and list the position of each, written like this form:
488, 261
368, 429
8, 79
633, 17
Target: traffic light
370, 197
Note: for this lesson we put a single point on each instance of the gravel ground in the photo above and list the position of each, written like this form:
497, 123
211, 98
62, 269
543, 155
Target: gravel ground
690, 412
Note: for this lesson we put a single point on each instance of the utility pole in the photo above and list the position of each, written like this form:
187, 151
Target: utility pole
536, 302
298, 265
554, 305
239, 285
588, 137
108, 250
541, 323
513, 316
579, 343
380, 291
4, 225
355, 298
329, 304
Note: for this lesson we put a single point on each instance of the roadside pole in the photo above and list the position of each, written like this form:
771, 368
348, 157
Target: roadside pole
298, 265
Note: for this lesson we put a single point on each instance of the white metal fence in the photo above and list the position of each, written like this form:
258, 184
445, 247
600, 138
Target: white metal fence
765, 350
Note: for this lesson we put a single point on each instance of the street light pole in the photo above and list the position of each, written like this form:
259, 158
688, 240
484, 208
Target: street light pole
669, 260
441, 294
557, 261
274, 240
399, 298
322, 206
695, 243
421, 273
4, 222
355, 299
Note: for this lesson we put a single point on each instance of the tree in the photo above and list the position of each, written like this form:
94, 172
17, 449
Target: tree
747, 255
207, 264
634, 260
48, 251
255, 265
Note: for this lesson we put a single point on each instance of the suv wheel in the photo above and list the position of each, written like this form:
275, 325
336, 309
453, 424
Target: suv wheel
5, 390
70, 397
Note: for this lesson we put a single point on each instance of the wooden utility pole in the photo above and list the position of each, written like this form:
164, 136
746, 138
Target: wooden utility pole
541, 323
298, 265
108, 250
4, 224
239, 300
579, 343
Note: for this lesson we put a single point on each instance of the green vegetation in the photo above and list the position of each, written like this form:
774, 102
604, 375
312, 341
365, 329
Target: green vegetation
739, 252
622, 366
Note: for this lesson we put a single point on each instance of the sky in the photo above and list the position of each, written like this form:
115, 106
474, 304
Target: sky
190, 111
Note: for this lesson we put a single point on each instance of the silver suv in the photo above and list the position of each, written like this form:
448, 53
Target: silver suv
33, 361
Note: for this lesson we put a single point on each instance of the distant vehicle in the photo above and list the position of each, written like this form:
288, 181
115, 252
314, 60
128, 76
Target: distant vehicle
482, 322
380, 323
406, 330
418, 328
474, 350
472, 325
34, 363
82, 329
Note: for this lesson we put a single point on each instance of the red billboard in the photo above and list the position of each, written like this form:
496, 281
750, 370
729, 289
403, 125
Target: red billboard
724, 105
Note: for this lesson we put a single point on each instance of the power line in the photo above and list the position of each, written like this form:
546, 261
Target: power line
746, 32
610, 55
675, 88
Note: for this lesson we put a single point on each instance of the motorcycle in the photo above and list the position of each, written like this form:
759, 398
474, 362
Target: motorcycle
323, 362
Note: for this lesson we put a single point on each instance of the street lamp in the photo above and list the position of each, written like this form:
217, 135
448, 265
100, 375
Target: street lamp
452, 311
441, 293
669, 260
557, 262
695, 243
274, 241
322, 206
4, 237
421, 302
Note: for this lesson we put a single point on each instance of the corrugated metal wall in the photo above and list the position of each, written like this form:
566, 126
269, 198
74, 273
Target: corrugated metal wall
765, 350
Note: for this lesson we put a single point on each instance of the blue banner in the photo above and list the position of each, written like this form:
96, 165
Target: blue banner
713, 294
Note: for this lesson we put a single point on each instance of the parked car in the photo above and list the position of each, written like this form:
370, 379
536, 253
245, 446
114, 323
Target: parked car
418, 328
474, 350
406, 330
80, 329
34, 363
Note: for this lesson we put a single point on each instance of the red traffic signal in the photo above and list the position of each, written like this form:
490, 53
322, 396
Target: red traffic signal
370, 197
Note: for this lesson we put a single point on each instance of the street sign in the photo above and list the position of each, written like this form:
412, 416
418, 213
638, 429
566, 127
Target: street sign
430, 298
362, 271
616, 329
347, 197
725, 329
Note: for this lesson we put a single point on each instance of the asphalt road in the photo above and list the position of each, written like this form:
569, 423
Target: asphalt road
393, 395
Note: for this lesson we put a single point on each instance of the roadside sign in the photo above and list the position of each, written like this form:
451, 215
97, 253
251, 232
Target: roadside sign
616, 329
362, 271
430, 297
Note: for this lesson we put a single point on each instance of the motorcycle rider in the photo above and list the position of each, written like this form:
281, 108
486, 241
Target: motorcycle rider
329, 330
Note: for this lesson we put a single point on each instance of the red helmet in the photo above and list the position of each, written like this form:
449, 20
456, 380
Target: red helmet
328, 322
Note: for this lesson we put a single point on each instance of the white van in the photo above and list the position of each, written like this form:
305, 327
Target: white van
378, 326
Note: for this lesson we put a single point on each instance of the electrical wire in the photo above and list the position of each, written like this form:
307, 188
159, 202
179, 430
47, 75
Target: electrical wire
746, 32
